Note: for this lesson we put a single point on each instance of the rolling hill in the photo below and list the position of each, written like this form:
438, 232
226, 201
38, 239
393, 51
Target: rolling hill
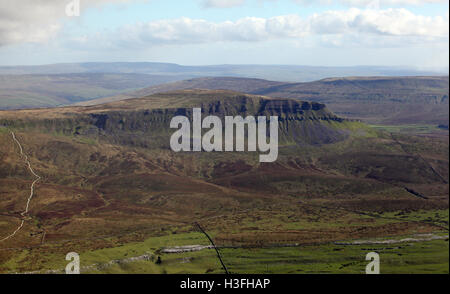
50, 90
381, 100
63, 84
377, 100
244, 85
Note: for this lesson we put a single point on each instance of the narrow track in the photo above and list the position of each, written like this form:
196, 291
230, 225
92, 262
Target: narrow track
37, 178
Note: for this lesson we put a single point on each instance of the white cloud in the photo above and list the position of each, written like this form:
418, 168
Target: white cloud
222, 3
40, 20
351, 3
35, 20
394, 22
389, 26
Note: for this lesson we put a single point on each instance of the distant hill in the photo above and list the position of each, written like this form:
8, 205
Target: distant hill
243, 85
67, 83
284, 73
393, 100
389, 100
49, 90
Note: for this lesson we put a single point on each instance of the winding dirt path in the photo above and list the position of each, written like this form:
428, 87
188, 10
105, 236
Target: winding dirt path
37, 178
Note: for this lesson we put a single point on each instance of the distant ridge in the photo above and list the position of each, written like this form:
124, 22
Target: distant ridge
245, 85
68, 83
284, 73
393, 100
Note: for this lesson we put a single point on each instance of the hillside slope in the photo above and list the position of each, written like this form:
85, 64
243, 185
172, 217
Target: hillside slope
387, 100
243, 85
377, 99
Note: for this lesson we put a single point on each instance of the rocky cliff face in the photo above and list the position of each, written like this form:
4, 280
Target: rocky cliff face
148, 125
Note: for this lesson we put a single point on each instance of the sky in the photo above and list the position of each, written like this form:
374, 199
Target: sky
411, 33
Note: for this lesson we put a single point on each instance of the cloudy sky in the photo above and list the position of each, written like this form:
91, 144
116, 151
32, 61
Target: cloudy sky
303, 32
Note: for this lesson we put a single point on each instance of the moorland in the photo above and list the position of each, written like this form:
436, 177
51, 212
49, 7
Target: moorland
111, 189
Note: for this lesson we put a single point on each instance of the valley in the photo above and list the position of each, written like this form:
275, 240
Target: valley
52, 90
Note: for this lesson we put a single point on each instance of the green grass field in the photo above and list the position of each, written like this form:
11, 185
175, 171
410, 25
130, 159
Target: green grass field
420, 257
409, 128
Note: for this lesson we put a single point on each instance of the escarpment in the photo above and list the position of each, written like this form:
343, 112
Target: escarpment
145, 122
